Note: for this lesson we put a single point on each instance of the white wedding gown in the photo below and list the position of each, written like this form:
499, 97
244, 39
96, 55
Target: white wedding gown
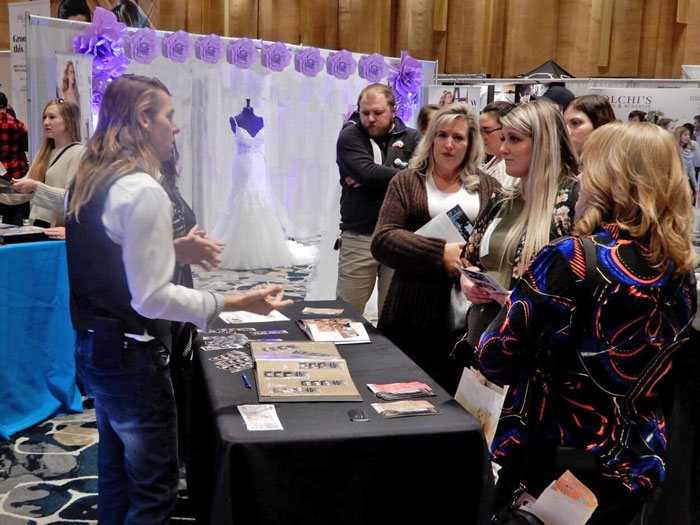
248, 224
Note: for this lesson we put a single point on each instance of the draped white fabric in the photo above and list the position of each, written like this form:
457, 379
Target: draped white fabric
303, 117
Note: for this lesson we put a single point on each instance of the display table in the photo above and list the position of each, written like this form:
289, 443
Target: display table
323, 468
37, 375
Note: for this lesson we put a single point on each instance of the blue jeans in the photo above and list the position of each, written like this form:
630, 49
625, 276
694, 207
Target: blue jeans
137, 423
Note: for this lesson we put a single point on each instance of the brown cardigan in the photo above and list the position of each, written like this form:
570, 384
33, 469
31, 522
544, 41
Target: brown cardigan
418, 296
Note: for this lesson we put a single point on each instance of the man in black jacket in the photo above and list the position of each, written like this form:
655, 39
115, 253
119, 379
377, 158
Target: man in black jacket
370, 153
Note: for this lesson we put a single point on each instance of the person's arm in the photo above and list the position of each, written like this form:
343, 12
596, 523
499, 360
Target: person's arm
197, 248
356, 162
12, 199
696, 154
540, 303
564, 210
138, 217
53, 197
399, 248
49, 197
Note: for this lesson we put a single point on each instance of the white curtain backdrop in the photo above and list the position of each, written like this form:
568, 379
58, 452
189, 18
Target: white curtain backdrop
303, 117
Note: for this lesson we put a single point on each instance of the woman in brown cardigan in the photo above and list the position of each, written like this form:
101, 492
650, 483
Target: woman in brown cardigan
420, 308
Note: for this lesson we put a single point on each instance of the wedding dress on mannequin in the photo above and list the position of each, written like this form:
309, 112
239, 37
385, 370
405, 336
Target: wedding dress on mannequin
248, 224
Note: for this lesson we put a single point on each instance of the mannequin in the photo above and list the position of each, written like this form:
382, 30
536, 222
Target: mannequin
248, 120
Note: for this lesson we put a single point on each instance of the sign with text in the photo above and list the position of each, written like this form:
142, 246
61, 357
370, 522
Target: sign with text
678, 104
18, 14
446, 94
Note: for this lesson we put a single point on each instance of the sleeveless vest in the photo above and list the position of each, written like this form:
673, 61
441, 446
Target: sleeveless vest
98, 285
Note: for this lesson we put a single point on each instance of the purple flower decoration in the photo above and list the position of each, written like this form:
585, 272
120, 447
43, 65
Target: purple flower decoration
177, 46
341, 64
372, 68
210, 49
142, 46
276, 56
406, 78
242, 53
104, 40
99, 84
309, 62
404, 109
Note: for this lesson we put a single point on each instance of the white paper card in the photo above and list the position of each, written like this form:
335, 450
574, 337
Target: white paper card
566, 501
446, 226
241, 317
260, 417
482, 399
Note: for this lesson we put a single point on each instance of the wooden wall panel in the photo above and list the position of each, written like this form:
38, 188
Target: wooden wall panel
647, 38
243, 18
365, 26
318, 21
279, 20
625, 38
531, 35
691, 46
464, 36
574, 36
414, 28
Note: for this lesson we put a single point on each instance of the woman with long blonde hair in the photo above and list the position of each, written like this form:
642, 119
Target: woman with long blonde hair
119, 246
590, 331
54, 165
537, 150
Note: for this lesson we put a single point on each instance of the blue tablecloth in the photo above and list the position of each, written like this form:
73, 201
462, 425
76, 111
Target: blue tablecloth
37, 368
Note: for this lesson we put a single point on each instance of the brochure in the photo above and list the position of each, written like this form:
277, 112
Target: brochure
452, 226
336, 330
405, 409
394, 391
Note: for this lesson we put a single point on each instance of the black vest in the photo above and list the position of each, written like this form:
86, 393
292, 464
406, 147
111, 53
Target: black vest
98, 285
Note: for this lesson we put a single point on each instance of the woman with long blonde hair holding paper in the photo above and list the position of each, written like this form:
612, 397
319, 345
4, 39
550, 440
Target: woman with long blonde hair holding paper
537, 150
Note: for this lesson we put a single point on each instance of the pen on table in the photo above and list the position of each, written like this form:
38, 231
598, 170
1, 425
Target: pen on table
245, 381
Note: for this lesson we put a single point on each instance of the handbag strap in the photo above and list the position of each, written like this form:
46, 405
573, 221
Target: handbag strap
60, 153
591, 258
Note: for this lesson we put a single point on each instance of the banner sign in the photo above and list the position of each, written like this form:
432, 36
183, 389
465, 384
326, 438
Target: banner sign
678, 104
18, 14
446, 94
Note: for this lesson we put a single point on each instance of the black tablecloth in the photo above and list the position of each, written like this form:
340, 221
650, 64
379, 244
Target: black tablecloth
323, 468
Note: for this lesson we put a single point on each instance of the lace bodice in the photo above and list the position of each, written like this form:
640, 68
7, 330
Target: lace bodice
247, 144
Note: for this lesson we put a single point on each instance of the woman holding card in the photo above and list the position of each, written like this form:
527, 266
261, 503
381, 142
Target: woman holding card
53, 167
537, 150
590, 331
443, 173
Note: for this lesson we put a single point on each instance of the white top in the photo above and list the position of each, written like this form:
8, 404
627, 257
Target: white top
440, 202
497, 169
49, 196
48, 200
138, 217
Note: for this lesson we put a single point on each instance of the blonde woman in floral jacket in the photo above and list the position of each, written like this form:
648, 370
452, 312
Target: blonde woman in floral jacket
537, 150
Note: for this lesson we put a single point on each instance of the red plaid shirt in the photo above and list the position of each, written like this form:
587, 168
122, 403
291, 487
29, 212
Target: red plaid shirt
13, 144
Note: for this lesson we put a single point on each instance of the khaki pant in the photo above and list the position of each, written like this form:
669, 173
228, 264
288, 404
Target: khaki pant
358, 271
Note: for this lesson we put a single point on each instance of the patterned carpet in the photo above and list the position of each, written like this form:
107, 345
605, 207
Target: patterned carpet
48, 473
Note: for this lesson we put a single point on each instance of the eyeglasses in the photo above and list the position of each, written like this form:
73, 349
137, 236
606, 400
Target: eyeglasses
487, 132
58, 101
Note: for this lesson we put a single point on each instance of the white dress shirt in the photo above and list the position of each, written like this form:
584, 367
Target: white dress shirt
138, 216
